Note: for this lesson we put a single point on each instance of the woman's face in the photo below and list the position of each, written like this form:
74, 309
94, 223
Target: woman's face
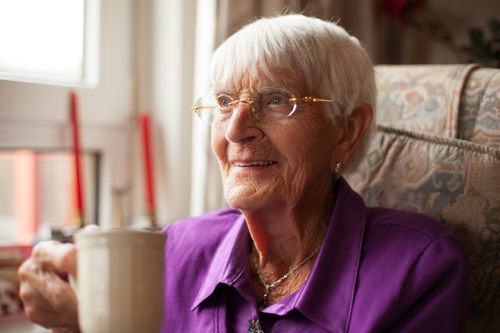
270, 164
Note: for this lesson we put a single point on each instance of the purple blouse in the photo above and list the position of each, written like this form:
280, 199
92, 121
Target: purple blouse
379, 270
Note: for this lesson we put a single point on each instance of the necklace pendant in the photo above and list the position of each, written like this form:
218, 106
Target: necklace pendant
254, 326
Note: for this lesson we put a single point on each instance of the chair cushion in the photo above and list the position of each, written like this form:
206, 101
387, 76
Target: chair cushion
480, 108
421, 98
437, 154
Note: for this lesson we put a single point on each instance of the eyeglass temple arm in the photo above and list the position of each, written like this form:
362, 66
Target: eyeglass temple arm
323, 100
311, 99
196, 108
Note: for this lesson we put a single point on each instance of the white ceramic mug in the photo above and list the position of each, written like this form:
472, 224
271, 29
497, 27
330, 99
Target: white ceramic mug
120, 284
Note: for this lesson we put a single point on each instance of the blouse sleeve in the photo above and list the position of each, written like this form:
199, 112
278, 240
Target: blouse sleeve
435, 293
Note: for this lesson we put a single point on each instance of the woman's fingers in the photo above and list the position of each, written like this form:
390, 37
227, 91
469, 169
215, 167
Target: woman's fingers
48, 298
57, 256
48, 311
91, 228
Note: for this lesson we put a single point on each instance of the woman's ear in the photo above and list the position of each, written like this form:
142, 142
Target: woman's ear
356, 126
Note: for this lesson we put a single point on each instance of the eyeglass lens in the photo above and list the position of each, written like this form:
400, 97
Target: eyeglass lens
269, 107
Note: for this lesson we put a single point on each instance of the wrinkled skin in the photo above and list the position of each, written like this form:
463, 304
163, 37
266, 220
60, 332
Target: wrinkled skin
280, 175
48, 297
302, 146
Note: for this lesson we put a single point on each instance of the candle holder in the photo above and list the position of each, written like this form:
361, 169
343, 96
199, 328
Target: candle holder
150, 215
78, 220
152, 218
118, 194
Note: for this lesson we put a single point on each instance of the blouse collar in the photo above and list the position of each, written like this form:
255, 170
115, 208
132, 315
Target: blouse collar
327, 295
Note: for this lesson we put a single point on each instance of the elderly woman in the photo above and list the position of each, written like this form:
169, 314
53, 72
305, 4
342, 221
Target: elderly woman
291, 110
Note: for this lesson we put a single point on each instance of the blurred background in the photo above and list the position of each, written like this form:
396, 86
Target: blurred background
125, 59
95, 97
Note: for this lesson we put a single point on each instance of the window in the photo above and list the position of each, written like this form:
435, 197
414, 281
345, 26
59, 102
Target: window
49, 41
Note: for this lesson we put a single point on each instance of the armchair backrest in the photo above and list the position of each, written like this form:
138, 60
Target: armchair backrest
437, 152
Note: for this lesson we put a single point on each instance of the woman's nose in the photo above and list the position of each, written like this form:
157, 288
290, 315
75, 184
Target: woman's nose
242, 126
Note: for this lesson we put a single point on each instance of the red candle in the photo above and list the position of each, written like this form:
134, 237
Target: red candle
76, 153
145, 127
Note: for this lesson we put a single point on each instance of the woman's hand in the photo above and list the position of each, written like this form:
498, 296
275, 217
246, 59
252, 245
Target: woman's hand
48, 297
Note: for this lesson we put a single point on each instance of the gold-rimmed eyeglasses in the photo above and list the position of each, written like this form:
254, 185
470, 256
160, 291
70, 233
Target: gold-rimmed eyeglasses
267, 107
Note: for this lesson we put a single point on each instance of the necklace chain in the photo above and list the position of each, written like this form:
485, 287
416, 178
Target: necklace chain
262, 303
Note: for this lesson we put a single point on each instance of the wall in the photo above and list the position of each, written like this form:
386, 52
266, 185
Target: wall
147, 65
37, 116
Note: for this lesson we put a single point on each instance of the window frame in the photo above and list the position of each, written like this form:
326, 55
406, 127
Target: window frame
91, 49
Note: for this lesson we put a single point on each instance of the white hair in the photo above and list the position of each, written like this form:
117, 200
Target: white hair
331, 63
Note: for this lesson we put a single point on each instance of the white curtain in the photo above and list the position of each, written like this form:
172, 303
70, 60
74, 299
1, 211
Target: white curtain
206, 184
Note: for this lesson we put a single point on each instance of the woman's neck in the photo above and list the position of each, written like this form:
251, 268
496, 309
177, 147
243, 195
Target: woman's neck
283, 237
290, 231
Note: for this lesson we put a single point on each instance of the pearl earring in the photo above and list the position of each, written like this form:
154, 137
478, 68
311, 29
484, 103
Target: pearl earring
337, 167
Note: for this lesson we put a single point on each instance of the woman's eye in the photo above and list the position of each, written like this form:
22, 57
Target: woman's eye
224, 101
277, 100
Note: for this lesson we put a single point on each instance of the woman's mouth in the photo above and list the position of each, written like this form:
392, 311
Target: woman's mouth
254, 163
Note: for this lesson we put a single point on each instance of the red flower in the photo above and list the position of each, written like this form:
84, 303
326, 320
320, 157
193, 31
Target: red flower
400, 9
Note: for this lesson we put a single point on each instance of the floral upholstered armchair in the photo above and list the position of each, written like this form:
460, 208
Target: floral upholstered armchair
437, 152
